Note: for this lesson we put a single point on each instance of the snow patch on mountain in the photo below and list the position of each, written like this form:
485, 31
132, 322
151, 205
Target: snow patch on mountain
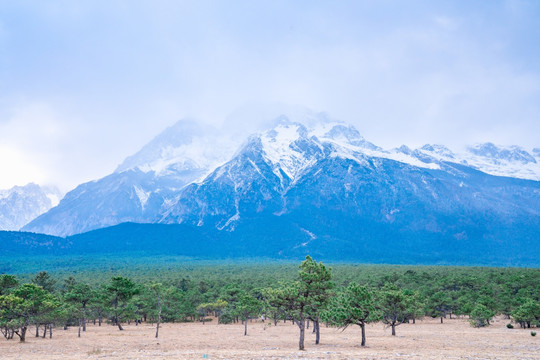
142, 195
512, 161
280, 146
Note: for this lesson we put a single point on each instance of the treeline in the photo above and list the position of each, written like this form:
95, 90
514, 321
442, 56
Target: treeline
311, 294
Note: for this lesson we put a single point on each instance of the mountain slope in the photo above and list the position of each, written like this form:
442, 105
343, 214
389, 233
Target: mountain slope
21, 204
317, 187
340, 201
139, 187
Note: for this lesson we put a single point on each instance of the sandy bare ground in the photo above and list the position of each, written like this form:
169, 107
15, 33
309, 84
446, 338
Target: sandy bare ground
427, 339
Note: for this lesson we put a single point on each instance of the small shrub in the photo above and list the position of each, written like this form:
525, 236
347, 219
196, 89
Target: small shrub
533, 333
510, 326
95, 351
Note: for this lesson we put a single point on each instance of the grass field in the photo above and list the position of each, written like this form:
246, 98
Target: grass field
427, 339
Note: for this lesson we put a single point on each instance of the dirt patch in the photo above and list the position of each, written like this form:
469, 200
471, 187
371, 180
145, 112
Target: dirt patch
427, 339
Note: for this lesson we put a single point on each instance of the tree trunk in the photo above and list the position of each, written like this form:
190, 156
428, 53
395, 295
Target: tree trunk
158, 317
83, 324
37, 330
45, 331
363, 327
119, 326
441, 320
99, 321
317, 332
302, 326
307, 324
245, 327
50, 331
22, 336
393, 329
79, 335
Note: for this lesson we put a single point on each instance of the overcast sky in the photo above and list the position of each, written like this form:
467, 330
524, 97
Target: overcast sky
85, 84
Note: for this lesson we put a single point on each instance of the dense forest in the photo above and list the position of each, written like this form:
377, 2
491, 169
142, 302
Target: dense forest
308, 294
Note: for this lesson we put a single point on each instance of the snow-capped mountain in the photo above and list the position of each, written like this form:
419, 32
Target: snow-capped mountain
317, 182
143, 184
273, 166
21, 204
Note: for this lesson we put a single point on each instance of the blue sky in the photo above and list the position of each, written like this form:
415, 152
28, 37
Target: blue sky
85, 84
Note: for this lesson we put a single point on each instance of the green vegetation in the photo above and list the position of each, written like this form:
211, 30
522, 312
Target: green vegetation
180, 290
353, 306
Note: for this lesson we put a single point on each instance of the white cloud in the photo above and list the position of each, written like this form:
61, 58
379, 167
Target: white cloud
96, 85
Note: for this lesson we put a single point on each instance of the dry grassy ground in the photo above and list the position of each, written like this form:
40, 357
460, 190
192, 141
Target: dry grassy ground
427, 339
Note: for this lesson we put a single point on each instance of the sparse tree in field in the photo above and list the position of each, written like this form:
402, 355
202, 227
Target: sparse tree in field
292, 300
316, 277
121, 291
527, 313
301, 300
26, 305
481, 315
204, 309
438, 304
99, 307
353, 306
218, 308
414, 304
248, 307
157, 291
231, 293
391, 304
80, 296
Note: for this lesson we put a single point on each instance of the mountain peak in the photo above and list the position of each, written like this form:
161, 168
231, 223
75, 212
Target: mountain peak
21, 204
497, 153
346, 132
187, 145
180, 134
438, 150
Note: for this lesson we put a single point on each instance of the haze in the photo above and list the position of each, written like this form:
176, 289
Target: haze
85, 84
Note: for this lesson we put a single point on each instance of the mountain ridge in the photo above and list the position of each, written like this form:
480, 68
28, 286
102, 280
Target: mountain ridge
318, 186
